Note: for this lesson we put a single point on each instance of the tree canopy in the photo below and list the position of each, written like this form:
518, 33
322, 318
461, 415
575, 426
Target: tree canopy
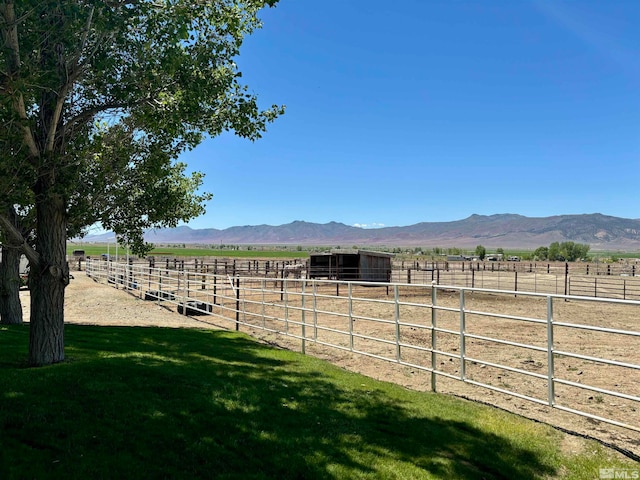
98, 98
565, 251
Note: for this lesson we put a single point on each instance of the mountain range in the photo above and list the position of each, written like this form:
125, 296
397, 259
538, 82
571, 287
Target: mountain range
601, 232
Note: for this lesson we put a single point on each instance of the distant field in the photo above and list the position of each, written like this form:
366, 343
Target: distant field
98, 249
95, 250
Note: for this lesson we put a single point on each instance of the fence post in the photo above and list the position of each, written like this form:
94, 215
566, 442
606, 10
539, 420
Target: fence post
284, 294
215, 289
304, 326
132, 284
434, 301
550, 355
186, 292
264, 320
396, 315
315, 311
350, 306
515, 281
408, 275
463, 328
566, 278
237, 303
215, 281
187, 281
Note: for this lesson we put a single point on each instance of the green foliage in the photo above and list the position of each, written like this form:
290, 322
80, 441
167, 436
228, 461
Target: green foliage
541, 253
574, 251
100, 98
185, 404
554, 252
565, 251
481, 252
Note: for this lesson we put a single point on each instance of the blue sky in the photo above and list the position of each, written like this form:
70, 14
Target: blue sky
423, 111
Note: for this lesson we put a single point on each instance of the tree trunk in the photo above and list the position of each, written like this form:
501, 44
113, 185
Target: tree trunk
10, 306
47, 281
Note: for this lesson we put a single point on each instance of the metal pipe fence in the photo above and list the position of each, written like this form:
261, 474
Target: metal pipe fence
598, 280
569, 352
624, 287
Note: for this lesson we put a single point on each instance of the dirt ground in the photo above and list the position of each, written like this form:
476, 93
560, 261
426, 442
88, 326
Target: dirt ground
92, 303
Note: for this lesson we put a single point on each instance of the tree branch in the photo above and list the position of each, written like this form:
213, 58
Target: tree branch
8, 226
76, 71
10, 35
88, 114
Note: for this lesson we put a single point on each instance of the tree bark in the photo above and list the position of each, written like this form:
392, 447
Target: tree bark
47, 281
10, 306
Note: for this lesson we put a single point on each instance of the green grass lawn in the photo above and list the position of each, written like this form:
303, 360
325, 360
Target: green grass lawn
183, 404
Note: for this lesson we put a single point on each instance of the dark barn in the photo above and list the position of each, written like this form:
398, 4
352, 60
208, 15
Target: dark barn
351, 265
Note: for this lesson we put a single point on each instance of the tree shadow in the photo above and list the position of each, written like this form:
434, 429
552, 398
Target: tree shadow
181, 403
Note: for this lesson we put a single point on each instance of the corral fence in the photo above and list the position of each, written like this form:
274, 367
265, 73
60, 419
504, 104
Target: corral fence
619, 281
570, 353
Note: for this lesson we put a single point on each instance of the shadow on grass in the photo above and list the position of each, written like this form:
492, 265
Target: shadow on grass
166, 403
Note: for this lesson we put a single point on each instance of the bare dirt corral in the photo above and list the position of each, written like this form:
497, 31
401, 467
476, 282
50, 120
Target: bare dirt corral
89, 302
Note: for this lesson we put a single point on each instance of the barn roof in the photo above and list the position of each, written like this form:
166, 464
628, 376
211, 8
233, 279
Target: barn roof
351, 251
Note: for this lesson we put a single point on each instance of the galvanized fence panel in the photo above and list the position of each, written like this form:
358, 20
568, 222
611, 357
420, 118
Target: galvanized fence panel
623, 286
534, 346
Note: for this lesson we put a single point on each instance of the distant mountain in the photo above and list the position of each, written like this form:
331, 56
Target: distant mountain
601, 232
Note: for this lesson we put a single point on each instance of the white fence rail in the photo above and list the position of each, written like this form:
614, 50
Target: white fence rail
572, 353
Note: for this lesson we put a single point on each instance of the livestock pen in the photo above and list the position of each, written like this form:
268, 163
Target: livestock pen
621, 281
568, 360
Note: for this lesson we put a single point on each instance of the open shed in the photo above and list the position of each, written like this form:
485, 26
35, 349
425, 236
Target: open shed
351, 265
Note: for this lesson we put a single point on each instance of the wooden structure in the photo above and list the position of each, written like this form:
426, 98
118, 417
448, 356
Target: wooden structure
351, 265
